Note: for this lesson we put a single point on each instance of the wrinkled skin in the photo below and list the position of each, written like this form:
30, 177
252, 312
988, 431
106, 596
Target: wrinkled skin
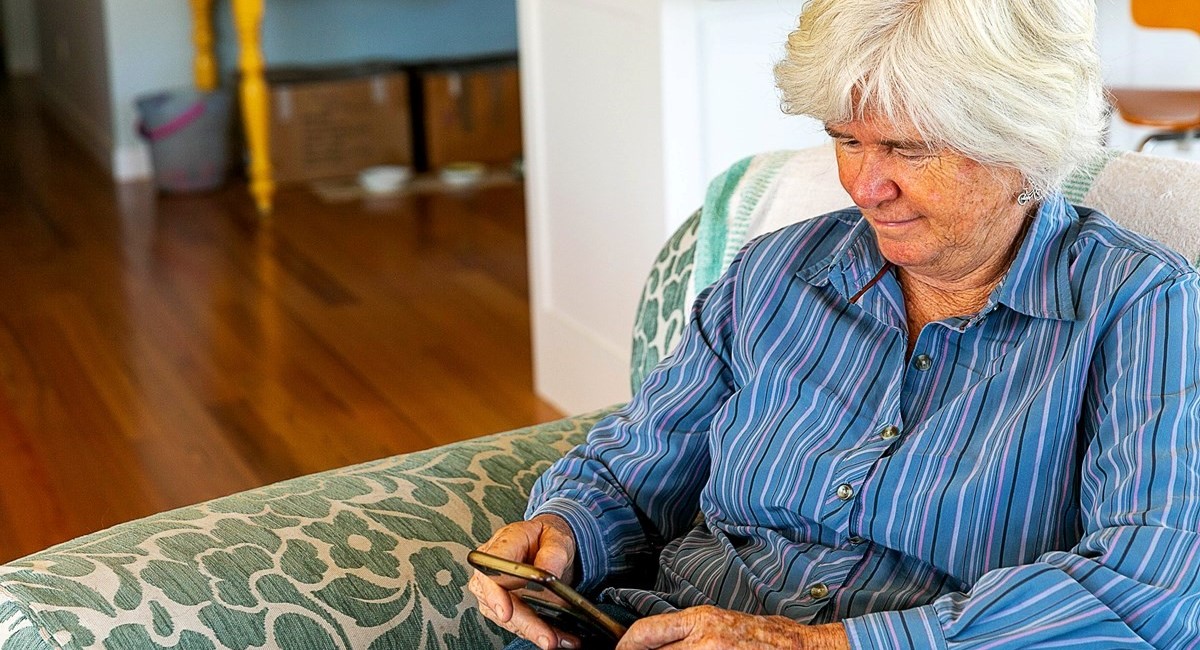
546, 541
712, 628
946, 220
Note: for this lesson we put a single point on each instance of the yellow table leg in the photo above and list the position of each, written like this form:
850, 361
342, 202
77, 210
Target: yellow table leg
255, 101
202, 35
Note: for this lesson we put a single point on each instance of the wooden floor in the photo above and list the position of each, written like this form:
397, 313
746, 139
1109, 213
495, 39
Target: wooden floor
157, 352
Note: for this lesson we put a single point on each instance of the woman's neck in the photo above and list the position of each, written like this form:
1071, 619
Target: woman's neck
930, 298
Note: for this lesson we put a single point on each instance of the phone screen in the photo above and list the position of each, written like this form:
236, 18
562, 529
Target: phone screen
574, 608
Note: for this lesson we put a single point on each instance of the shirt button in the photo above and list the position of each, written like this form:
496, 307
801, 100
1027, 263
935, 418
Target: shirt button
889, 432
845, 492
855, 540
923, 362
818, 591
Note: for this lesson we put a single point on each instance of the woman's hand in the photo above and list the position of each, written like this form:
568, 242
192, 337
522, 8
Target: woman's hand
546, 541
703, 628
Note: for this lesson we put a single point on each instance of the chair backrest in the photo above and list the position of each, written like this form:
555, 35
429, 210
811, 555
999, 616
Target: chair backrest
1152, 195
1167, 14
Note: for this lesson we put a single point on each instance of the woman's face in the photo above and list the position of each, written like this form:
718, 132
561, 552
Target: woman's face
935, 213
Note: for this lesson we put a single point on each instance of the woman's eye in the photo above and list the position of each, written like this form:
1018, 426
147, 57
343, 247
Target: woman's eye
914, 154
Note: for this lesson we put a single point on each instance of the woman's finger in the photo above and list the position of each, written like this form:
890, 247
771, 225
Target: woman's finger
554, 558
508, 611
555, 547
532, 627
491, 596
516, 541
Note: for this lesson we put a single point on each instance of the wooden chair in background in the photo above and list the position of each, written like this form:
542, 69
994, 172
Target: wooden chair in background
1174, 112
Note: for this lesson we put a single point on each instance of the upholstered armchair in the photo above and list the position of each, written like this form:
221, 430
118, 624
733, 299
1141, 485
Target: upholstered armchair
373, 556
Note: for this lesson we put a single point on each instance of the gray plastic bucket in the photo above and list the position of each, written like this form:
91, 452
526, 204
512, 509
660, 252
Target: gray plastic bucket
188, 133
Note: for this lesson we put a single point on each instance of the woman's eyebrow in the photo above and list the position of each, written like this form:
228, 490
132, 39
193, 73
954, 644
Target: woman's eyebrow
891, 144
907, 144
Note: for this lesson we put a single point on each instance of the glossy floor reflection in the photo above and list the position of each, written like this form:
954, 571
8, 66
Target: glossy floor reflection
156, 352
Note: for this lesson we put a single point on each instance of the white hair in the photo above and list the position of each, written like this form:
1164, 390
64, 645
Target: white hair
1007, 83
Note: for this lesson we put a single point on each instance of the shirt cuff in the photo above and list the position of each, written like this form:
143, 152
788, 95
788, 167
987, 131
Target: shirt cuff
590, 547
916, 628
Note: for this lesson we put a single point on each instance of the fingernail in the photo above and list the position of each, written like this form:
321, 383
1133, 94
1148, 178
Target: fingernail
569, 644
545, 643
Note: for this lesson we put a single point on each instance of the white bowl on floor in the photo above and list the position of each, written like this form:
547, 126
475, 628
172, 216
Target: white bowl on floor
462, 174
384, 179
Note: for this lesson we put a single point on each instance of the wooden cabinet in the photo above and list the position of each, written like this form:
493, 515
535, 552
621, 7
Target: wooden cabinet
469, 113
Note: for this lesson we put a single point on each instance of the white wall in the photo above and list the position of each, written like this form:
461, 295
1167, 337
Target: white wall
149, 49
20, 36
591, 83
630, 107
1139, 56
739, 43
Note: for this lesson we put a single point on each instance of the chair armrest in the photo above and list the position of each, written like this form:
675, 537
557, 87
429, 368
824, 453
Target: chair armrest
366, 556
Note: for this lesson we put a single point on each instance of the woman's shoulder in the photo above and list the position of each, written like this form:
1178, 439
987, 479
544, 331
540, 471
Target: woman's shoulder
1112, 266
1100, 234
808, 240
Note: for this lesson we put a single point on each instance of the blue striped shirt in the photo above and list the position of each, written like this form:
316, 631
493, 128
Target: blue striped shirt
1028, 478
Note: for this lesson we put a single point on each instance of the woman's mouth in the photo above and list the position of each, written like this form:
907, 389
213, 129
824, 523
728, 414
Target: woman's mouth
893, 221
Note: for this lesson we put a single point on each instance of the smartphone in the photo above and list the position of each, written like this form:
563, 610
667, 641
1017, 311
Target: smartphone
578, 615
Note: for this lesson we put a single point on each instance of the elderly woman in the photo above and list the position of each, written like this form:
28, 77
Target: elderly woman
963, 414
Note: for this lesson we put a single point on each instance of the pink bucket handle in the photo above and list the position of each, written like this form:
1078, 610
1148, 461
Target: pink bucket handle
174, 126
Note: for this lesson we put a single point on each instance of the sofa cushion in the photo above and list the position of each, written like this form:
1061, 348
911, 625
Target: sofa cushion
370, 556
661, 314
1151, 195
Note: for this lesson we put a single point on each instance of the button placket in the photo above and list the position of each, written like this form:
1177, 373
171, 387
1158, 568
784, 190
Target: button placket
848, 479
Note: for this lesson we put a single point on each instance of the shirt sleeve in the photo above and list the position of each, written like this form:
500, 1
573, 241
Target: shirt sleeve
1133, 581
636, 482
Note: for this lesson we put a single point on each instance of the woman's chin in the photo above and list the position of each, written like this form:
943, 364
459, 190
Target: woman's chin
905, 254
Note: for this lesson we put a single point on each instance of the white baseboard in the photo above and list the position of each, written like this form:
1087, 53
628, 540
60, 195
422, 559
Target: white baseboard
574, 370
132, 163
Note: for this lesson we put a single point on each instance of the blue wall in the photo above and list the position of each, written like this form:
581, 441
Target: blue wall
335, 31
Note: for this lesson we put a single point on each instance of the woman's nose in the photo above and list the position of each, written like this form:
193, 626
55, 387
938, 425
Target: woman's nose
871, 182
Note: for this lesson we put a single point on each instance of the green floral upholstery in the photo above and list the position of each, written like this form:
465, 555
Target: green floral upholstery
370, 556
662, 312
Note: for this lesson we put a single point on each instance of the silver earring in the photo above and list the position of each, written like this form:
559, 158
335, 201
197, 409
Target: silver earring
1025, 197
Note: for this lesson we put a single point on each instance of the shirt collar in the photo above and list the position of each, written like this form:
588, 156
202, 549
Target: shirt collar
854, 258
1037, 284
